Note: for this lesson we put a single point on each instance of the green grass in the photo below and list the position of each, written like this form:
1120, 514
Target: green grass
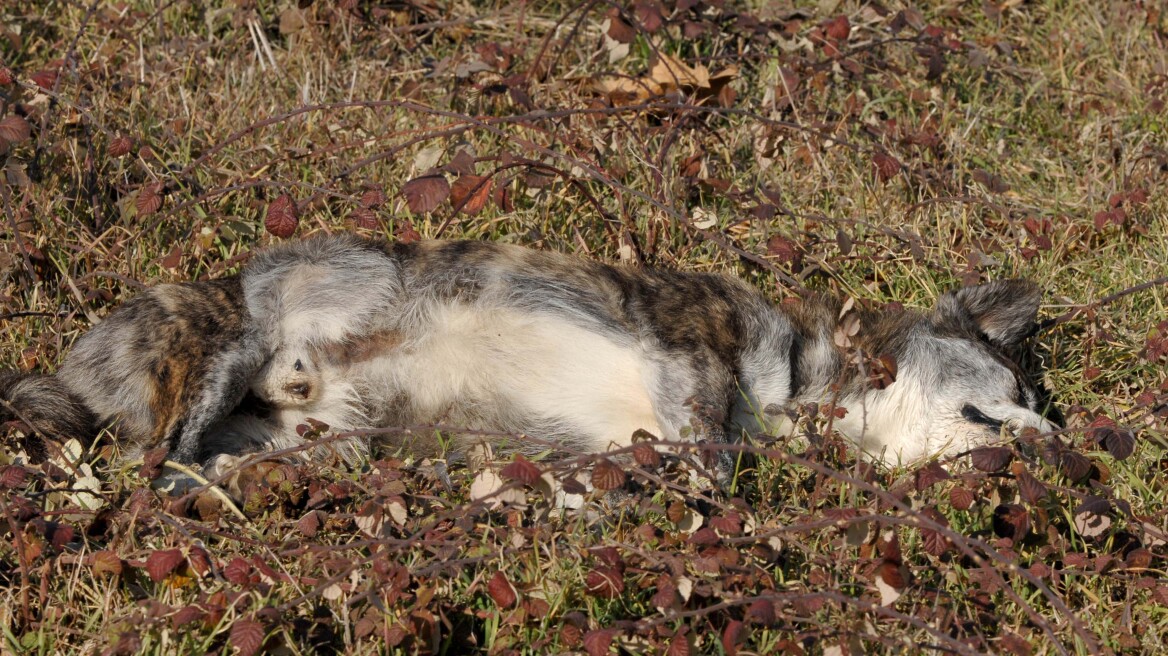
1042, 112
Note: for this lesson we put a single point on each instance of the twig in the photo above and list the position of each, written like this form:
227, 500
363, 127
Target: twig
204, 484
1106, 300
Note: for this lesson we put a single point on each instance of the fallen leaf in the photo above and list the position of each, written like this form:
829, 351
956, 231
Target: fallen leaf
162, 562
282, 217
502, 591
14, 129
424, 194
470, 193
247, 635
607, 476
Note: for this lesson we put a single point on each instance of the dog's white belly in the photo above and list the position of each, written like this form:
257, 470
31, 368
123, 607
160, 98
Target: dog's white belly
527, 373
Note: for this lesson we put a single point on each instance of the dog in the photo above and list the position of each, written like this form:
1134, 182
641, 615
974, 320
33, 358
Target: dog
361, 334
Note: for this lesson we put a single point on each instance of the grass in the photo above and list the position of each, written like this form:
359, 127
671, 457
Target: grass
925, 149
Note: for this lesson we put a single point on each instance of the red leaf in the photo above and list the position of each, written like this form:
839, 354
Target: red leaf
309, 524
666, 596
649, 15
502, 198
704, 537
426, 193
838, 28
1032, 490
363, 217
149, 199
605, 582
883, 371
888, 545
161, 563
1074, 466
573, 486
107, 562
1119, 442
463, 163
844, 241
607, 476
1011, 521
199, 560
502, 591
1138, 558
173, 258
6, 76
646, 456
730, 524
14, 129
618, 29
761, 612
59, 534
45, 79
470, 194
732, 636
609, 556
886, 165
929, 475
991, 458
598, 642
120, 146
247, 635
151, 463
521, 470
681, 645
936, 544
1012, 643
406, 233
785, 251
570, 634
374, 197
12, 476
238, 571
282, 216
186, 615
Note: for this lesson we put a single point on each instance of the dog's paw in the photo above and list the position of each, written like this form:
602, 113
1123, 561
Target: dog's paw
220, 466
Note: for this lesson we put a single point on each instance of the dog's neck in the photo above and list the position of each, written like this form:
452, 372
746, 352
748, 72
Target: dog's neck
826, 341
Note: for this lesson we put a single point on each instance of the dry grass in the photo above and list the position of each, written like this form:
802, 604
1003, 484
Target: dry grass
957, 143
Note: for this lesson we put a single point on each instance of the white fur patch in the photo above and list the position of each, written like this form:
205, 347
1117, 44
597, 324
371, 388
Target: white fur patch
518, 372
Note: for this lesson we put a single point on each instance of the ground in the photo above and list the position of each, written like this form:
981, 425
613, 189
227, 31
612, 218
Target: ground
882, 151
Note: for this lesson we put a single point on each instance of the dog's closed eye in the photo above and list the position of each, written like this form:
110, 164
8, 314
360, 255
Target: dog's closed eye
972, 414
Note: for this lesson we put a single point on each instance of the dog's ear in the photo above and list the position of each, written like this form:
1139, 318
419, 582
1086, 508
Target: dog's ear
1003, 310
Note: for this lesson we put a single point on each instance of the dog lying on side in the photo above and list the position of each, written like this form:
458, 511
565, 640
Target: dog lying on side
359, 334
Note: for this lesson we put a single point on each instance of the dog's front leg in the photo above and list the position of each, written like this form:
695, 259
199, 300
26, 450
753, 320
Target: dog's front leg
223, 387
703, 412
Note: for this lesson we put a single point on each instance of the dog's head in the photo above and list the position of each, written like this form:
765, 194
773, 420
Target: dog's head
956, 385
289, 378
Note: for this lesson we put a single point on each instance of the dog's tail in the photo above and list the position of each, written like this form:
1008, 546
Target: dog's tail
43, 404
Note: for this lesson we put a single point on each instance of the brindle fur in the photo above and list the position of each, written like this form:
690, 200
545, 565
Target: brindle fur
489, 336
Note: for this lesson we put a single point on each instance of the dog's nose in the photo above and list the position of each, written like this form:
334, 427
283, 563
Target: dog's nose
1017, 426
299, 389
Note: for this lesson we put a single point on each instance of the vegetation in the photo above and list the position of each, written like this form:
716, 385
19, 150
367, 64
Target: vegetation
883, 151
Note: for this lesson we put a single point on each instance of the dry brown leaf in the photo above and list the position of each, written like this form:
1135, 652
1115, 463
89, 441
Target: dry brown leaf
671, 73
470, 193
424, 194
